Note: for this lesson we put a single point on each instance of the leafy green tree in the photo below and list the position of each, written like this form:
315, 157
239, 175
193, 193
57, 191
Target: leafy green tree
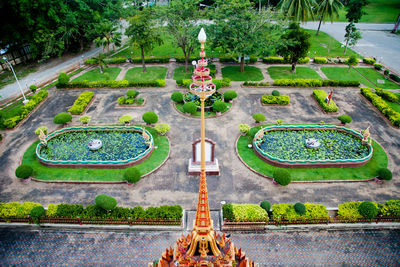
295, 44
143, 33
242, 31
298, 10
354, 10
351, 36
179, 16
328, 9
107, 34
101, 61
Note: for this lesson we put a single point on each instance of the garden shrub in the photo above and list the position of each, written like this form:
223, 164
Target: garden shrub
162, 128
137, 212
43, 128
258, 117
244, 213
234, 59
177, 97
320, 96
125, 119
349, 211
132, 93
298, 82
394, 77
230, 95
69, 210
378, 66
24, 171
344, 119
91, 61
105, 202
265, 205
247, 83
81, 103
33, 88
369, 61
352, 61
115, 60
320, 60
282, 177
63, 78
275, 93
368, 210
51, 211
189, 107
275, 59
181, 59
85, 119
280, 100
120, 213
150, 117
385, 174
62, 118
227, 212
288, 212
112, 84
300, 208
219, 83
244, 128
335, 83
389, 96
386, 72
219, 106
132, 175
160, 59
390, 208
37, 213
9, 209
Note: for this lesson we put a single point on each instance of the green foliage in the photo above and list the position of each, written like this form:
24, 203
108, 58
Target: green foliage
132, 175
234, 59
369, 61
345, 119
335, 83
125, 119
121, 100
354, 10
394, 77
391, 208
219, 83
177, 97
280, 100
62, 118
132, 93
300, 208
298, 82
244, 128
68, 210
258, 117
162, 128
24, 171
25, 209
230, 95
244, 213
43, 128
349, 211
320, 60
51, 210
275, 93
190, 107
9, 209
113, 84
282, 177
105, 202
351, 36
297, 10
386, 72
151, 59
282, 60
320, 96
33, 88
81, 102
247, 83
37, 213
63, 78
265, 205
368, 210
288, 212
385, 174
352, 61
85, 119
378, 66
150, 117
227, 212
219, 106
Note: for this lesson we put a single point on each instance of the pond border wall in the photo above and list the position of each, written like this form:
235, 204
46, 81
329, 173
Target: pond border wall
311, 163
96, 164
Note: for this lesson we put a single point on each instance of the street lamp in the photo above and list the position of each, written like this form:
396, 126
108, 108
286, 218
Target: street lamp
25, 100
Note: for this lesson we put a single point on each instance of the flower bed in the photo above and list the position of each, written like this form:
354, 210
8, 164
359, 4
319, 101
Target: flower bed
122, 147
81, 103
284, 146
320, 96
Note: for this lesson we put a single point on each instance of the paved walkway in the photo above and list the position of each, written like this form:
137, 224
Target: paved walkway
276, 248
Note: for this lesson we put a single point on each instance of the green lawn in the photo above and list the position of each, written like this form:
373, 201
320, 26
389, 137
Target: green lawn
324, 45
377, 11
14, 109
344, 74
151, 74
250, 73
7, 77
95, 75
379, 160
42, 172
180, 74
277, 72
394, 106
198, 113
373, 75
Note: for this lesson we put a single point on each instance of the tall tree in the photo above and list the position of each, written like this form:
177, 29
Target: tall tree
354, 10
107, 34
298, 10
143, 33
351, 36
328, 9
179, 16
241, 31
295, 44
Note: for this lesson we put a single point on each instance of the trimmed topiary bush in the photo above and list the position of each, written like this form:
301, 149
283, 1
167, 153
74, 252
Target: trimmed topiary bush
265, 205
258, 117
62, 118
177, 97
189, 107
43, 128
132, 93
105, 202
23, 171
276, 93
368, 210
33, 88
150, 117
385, 174
132, 175
230, 95
85, 119
63, 78
125, 119
244, 128
386, 72
219, 106
345, 119
162, 128
300, 208
37, 213
378, 66
282, 177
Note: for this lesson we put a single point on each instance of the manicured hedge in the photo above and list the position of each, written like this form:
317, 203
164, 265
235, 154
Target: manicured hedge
337, 83
225, 82
349, 211
81, 103
390, 208
113, 84
26, 109
389, 96
394, 77
233, 59
370, 61
244, 213
382, 106
314, 83
15, 209
320, 96
287, 212
138, 60
280, 100
181, 59
320, 60
246, 83
378, 66
275, 59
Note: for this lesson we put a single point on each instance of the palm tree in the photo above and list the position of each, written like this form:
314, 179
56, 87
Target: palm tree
328, 9
101, 62
298, 10
107, 34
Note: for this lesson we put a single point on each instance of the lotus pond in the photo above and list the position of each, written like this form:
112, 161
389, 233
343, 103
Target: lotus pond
289, 145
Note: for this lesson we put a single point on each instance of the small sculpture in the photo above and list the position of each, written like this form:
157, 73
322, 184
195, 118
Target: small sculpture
366, 136
312, 143
146, 137
42, 137
95, 144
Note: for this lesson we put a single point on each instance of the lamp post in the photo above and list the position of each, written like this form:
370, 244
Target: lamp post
20, 88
